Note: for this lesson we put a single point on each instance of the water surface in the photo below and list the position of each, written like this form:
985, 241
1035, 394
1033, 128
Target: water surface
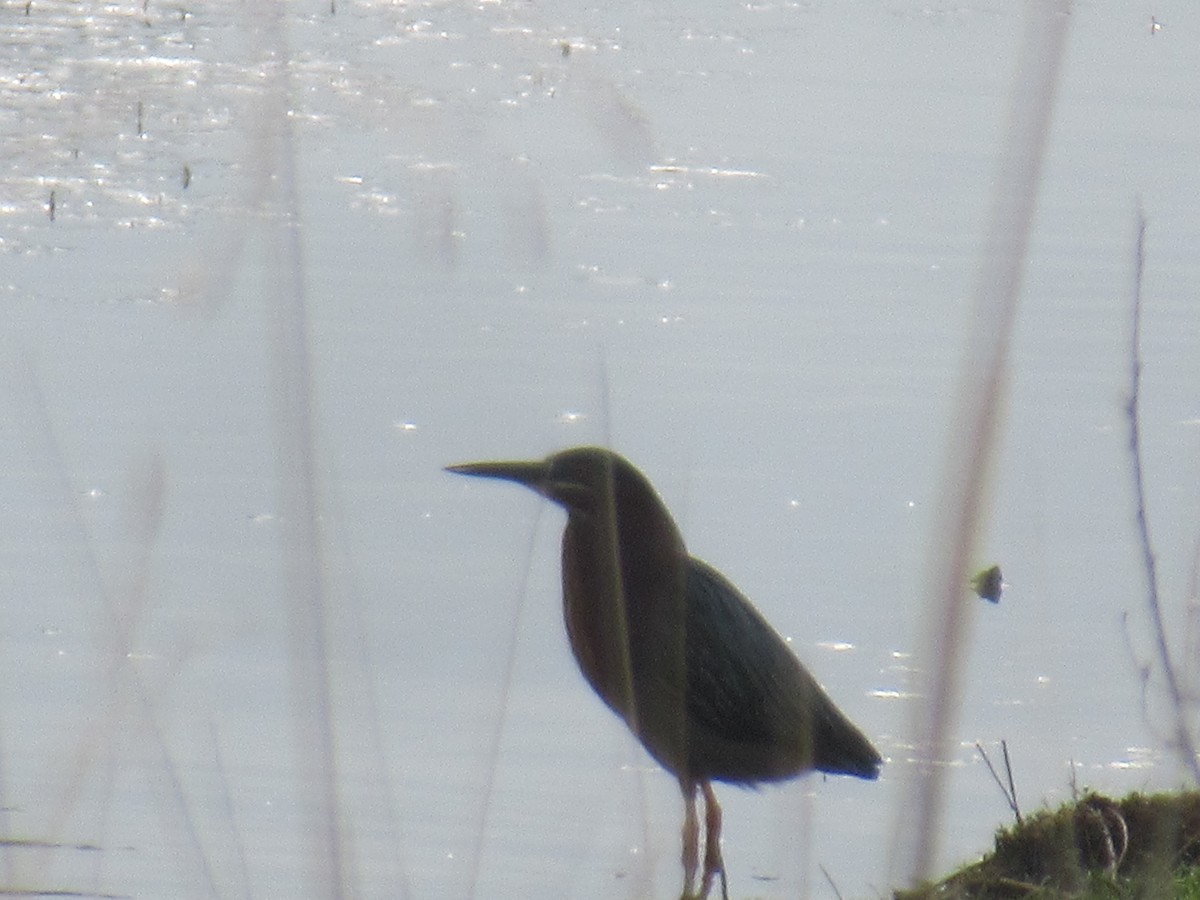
735, 242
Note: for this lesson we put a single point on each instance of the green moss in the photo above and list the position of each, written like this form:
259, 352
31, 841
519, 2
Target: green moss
1144, 846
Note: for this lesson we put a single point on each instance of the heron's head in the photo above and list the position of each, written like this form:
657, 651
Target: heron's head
579, 479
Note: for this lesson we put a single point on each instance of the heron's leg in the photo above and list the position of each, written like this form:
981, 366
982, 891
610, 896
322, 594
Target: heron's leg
691, 838
713, 863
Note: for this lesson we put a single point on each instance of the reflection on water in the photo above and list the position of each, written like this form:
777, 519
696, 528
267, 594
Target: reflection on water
733, 242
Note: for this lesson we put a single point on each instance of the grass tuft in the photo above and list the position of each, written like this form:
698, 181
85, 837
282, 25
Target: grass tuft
1143, 846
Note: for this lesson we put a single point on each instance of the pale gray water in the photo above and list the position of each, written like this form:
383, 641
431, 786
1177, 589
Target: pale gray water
735, 242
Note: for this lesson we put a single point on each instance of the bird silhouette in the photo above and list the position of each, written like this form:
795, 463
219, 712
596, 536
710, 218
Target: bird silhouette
699, 676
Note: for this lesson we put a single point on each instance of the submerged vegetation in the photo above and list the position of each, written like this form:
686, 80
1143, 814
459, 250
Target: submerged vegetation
1142, 846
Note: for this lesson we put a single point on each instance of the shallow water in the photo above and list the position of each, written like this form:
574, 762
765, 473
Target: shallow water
734, 242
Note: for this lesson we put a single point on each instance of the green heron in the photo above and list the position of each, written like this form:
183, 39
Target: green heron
707, 686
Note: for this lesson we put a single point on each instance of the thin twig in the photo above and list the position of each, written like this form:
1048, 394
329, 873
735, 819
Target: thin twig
502, 704
828, 878
1183, 737
977, 424
1009, 792
1143, 671
1012, 785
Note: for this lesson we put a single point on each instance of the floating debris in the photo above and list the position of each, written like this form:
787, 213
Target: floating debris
988, 584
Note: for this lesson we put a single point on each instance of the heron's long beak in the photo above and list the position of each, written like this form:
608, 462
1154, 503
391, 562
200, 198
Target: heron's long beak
531, 474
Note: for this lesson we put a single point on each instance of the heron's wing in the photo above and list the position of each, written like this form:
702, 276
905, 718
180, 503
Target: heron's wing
749, 698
